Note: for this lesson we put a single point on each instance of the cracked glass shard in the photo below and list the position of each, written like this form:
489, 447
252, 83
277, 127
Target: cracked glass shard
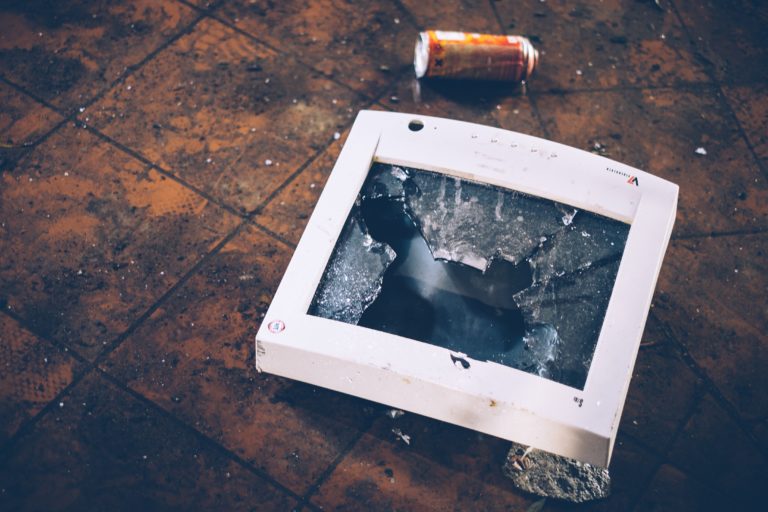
352, 279
564, 317
588, 239
385, 181
496, 274
471, 223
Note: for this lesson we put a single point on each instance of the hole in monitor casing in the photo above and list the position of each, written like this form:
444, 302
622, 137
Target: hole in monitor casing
415, 125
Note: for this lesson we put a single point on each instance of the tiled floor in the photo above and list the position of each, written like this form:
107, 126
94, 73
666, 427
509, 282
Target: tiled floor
159, 160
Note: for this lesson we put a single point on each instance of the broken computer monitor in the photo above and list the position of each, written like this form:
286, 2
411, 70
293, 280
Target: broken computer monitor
478, 276
482, 270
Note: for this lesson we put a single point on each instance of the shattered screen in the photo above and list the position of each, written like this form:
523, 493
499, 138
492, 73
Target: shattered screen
486, 271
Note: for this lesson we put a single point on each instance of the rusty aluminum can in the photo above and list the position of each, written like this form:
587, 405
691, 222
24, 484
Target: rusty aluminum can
474, 56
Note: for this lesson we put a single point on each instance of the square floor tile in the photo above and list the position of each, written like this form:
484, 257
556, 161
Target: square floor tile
461, 15
105, 450
443, 467
751, 106
712, 442
659, 131
32, 373
661, 392
91, 238
360, 44
195, 357
713, 301
288, 212
225, 113
671, 489
730, 35
591, 43
67, 52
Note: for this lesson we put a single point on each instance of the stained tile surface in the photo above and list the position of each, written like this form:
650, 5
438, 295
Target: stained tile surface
66, 53
195, 357
32, 373
159, 161
102, 449
226, 113
91, 237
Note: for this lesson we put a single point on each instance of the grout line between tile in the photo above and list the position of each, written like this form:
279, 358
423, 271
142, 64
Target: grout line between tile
315, 156
710, 386
130, 70
214, 4
24, 91
661, 455
271, 233
284, 53
29, 425
722, 97
88, 368
408, 15
71, 116
687, 358
168, 174
720, 234
199, 435
63, 347
259, 208
531, 97
305, 500
115, 343
496, 15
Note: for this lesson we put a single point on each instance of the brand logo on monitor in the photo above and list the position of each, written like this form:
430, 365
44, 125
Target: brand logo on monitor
632, 180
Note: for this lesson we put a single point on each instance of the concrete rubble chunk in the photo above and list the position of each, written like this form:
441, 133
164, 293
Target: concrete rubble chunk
552, 476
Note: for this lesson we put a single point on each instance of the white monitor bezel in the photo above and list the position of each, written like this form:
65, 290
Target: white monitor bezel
422, 378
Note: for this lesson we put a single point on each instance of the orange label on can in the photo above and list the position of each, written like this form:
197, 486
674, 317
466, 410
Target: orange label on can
478, 56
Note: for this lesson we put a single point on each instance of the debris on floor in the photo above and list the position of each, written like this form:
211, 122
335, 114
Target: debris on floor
401, 436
